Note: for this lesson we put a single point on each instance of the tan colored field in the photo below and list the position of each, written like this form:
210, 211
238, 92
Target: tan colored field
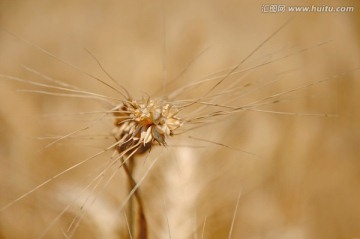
303, 181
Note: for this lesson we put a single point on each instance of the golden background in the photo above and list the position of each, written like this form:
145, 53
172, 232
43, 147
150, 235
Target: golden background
305, 181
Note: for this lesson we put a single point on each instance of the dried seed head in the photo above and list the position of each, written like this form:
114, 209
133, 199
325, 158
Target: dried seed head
143, 122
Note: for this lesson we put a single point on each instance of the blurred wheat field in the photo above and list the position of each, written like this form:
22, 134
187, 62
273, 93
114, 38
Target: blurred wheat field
304, 181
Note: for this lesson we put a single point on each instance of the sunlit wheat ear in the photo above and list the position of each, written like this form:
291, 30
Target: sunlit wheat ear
144, 122
139, 125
